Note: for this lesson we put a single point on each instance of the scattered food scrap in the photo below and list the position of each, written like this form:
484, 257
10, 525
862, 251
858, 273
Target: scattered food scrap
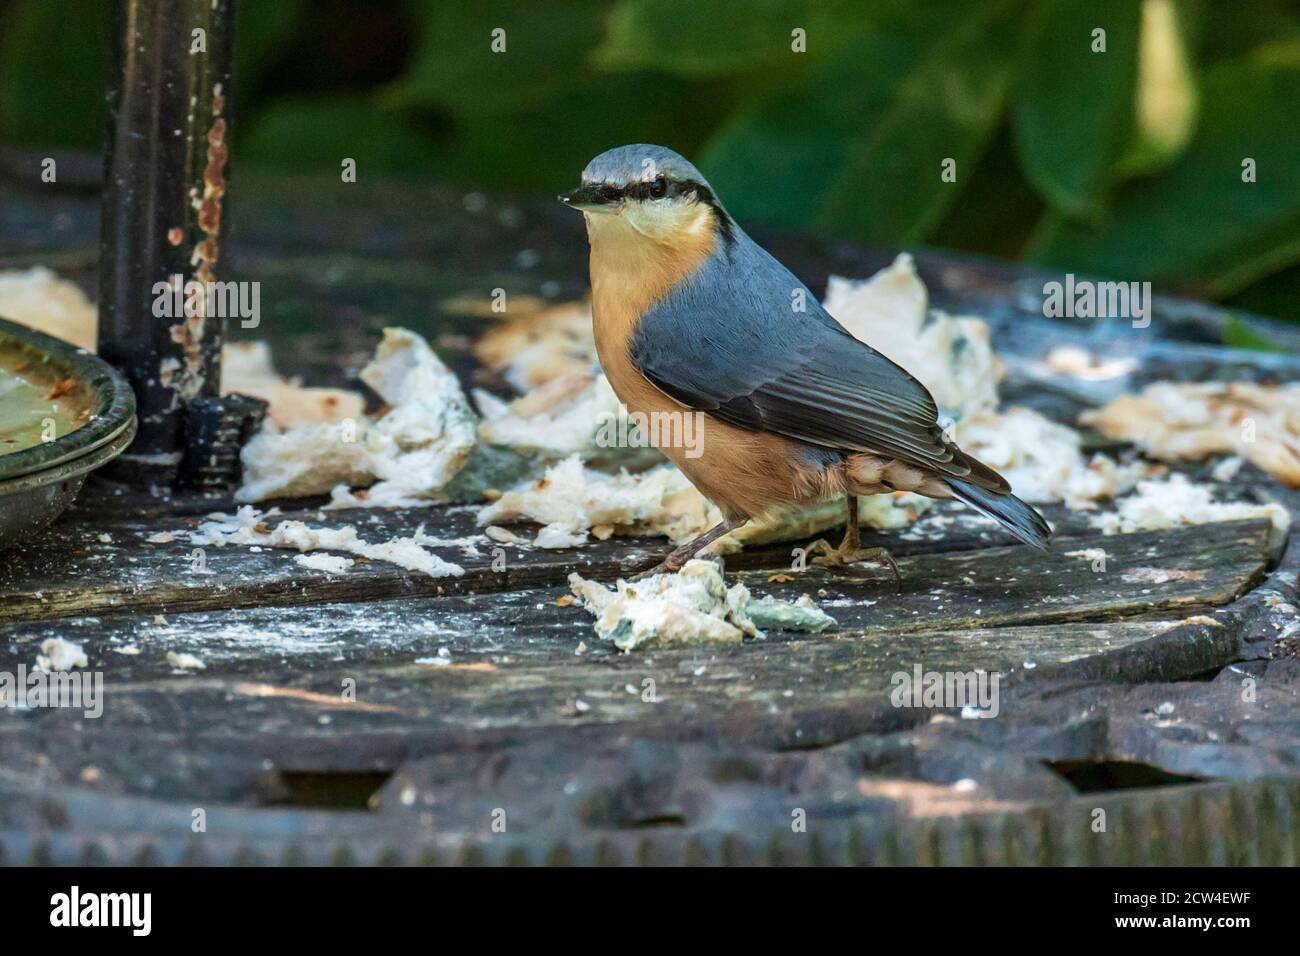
571, 499
1088, 554
1177, 501
1227, 469
574, 414
247, 527
185, 662
58, 654
410, 451
1042, 459
1075, 362
540, 347
246, 367
39, 299
329, 563
503, 535
1161, 575
691, 607
770, 613
1185, 420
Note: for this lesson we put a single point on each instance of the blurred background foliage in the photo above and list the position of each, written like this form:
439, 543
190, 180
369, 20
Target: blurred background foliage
1126, 163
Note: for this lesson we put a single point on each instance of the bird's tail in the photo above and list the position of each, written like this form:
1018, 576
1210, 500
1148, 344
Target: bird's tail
1007, 510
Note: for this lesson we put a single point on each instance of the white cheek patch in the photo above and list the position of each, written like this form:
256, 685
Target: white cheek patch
664, 218
654, 219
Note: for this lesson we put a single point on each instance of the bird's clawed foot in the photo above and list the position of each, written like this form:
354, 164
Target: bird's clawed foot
673, 563
666, 566
849, 553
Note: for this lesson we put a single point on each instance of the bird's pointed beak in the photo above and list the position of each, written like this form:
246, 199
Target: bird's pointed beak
588, 199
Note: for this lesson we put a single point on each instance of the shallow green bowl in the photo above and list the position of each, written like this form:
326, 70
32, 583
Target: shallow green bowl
39, 482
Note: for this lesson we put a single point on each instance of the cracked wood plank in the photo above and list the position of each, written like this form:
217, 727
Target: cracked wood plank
247, 720
1147, 574
72, 570
92, 566
270, 696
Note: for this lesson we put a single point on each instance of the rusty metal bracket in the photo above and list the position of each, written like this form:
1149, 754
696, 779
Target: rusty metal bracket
165, 183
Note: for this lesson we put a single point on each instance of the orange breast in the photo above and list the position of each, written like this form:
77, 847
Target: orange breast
744, 473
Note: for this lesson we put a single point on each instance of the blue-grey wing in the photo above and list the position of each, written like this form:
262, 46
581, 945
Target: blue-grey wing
731, 343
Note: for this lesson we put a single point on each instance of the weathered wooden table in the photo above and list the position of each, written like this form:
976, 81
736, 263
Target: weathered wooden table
1172, 706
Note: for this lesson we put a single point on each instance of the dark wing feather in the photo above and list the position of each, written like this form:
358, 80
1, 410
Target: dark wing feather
745, 357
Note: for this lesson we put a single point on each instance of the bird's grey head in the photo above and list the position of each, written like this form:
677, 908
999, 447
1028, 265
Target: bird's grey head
650, 190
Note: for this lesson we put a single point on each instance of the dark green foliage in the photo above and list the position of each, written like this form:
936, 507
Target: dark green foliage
1125, 163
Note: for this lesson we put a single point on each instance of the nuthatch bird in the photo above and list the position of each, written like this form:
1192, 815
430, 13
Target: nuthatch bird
690, 314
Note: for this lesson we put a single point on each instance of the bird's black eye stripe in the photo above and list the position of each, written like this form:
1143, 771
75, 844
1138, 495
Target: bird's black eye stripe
656, 188
661, 186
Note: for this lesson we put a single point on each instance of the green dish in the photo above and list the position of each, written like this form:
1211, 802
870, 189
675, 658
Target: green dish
63, 413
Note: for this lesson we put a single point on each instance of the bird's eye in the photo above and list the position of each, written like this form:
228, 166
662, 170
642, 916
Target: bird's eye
659, 188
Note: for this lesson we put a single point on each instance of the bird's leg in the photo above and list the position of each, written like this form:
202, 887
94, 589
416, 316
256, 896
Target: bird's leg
850, 550
679, 556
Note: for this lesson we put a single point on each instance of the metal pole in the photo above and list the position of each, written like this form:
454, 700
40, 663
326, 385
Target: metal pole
162, 228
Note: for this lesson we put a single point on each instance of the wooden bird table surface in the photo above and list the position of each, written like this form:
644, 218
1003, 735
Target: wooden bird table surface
489, 724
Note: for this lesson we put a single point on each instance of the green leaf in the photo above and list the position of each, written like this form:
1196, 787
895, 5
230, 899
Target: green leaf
54, 57
1073, 113
1167, 96
1227, 31
546, 46
995, 214
693, 39
1277, 295
560, 138
1238, 335
261, 32
856, 146
300, 134
1198, 227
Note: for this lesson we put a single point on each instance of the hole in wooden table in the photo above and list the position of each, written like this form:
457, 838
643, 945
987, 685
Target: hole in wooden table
329, 790
1088, 776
